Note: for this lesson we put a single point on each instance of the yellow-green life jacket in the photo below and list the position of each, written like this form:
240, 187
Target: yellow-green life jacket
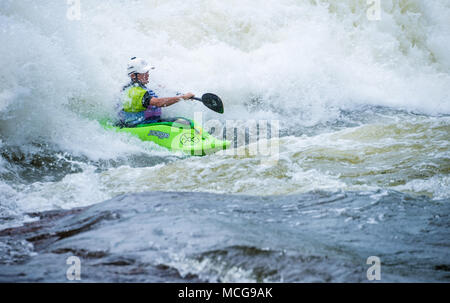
132, 99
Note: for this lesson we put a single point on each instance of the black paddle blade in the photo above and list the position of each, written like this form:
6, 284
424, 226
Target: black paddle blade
213, 102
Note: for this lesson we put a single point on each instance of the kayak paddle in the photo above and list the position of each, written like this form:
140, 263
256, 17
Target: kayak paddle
212, 102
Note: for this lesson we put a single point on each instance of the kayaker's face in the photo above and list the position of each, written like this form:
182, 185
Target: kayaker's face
143, 78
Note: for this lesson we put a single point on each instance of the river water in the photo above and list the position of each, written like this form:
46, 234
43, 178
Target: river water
361, 158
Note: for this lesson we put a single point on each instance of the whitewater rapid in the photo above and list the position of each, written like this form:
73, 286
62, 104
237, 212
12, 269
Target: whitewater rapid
362, 104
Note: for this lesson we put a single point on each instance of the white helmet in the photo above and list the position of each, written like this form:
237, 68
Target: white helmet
138, 66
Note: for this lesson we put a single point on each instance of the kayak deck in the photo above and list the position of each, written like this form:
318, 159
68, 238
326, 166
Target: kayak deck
181, 135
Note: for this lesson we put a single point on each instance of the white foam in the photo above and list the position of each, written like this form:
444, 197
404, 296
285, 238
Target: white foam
437, 186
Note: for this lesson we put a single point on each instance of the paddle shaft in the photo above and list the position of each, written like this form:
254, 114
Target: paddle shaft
214, 105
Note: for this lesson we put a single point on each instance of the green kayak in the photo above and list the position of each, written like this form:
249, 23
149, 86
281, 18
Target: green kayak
181, 135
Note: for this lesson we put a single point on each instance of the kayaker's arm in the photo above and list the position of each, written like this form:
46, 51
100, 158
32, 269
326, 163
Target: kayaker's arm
163, 102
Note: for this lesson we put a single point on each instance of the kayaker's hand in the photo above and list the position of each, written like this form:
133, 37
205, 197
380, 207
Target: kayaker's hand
188, 96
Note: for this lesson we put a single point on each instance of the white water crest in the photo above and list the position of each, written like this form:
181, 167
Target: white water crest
295, 59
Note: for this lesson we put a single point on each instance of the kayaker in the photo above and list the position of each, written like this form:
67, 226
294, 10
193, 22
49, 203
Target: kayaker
140, 104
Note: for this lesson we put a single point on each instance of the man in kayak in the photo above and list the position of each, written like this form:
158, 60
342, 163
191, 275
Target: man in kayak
141, 105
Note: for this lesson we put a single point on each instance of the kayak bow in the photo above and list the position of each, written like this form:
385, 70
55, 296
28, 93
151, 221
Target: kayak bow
181, 135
